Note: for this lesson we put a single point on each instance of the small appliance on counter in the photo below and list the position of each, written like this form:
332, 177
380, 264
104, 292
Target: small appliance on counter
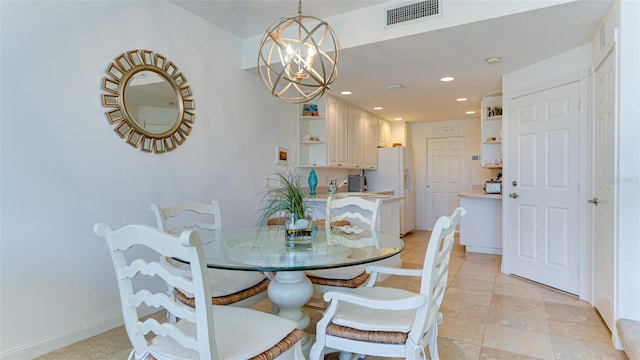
357, 183
493, 186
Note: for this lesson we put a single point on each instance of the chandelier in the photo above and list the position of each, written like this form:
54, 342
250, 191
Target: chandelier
298, 58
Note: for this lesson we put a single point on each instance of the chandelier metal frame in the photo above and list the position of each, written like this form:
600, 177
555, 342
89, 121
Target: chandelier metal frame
298, 58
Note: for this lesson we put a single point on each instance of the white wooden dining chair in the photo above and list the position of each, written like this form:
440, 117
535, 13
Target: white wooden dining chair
228, 287
360, 214
204, 331
391, 322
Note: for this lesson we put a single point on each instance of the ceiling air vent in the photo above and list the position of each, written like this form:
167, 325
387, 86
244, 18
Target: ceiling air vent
414, 11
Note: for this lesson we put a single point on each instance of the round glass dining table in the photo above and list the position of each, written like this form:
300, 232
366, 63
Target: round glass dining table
265, 249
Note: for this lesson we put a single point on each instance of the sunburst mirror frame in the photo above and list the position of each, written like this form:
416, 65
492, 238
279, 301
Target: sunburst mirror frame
120, 72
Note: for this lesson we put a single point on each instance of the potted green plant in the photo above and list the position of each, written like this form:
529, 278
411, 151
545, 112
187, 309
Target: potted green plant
288, 200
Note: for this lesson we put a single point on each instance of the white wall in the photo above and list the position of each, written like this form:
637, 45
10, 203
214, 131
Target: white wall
64, 168
628, 177
419, 132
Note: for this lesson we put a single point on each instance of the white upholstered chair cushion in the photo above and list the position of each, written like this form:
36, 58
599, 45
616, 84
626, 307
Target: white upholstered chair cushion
368, 319
233, 326
227, 282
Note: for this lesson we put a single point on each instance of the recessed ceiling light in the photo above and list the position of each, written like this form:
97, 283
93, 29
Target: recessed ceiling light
378, 108
493, 60
447, 78
397, 119
470, 112
346, 93
462, 99
394, 86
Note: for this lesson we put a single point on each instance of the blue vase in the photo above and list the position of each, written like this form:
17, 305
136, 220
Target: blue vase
313, 182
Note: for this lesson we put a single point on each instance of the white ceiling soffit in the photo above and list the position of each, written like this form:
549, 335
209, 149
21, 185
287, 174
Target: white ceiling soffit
249, 18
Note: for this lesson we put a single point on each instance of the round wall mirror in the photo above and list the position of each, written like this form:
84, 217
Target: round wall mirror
149, 99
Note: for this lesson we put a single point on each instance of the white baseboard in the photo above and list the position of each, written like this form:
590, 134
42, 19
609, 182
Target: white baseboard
40, 348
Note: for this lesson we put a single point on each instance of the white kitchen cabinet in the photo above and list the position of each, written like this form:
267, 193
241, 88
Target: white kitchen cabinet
337, 112
370, 142
357, 119
491, 132
339, 136
389, 217
363, 139
384, 133
481, 229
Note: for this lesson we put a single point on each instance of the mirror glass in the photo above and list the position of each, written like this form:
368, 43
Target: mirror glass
149, 99
151, 102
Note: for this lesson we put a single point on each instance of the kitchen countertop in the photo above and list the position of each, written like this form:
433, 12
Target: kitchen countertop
385, 195
480, 194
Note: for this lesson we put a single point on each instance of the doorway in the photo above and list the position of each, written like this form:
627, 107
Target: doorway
447, 168
603, 162
543, 192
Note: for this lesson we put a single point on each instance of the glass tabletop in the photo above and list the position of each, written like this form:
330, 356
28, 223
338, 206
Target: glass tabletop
265, 249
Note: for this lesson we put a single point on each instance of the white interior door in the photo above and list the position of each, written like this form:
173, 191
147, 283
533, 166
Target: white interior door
603, 161
544, 188
446, 175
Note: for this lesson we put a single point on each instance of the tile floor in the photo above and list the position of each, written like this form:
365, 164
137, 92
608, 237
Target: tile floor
487, 315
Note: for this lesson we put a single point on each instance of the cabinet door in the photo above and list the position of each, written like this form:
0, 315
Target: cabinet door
337, 116
384, 133
371, 142
355, 135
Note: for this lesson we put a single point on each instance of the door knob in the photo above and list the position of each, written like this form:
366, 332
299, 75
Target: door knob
593, 201
514, 195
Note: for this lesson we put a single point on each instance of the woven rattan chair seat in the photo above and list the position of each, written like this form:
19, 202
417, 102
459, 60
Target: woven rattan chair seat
227, 299
345, 283
382, 337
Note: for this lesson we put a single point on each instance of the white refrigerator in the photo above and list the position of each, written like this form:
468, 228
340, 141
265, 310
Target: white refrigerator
395, 172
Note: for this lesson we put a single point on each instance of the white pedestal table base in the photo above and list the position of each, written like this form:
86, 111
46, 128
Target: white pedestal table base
290, 291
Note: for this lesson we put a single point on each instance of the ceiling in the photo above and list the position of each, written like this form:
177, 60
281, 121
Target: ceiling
417, 62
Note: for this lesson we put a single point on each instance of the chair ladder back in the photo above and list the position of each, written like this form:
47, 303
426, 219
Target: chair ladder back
133, 297
436, 264
365, 212
174, 219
